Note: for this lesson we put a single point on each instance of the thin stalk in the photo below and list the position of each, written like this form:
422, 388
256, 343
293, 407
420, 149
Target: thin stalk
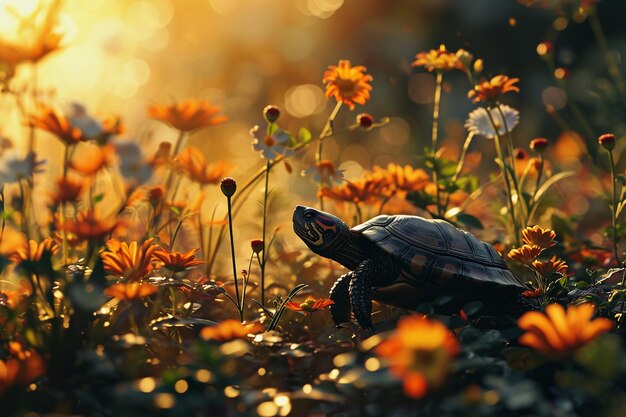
539, 174
64, 244
435, 133
232, 250
264, 256
326, 131
614, 209
459, 167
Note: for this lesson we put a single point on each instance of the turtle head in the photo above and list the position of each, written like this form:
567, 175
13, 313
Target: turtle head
322, 232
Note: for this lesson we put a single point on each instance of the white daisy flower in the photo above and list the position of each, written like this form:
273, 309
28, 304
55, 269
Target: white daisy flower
479, 123
14, 167
273, 145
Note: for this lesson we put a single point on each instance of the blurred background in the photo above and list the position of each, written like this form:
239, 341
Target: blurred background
118, 56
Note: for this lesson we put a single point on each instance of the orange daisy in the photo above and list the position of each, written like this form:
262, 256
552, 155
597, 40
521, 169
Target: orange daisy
347, 84
177, 261
86, 226
89, 159
406, 177
538, 236
526, 254
559, 333
57, 124
130, 261
188, 115
129, 291
32, 251
550, 267
68, 190
228, 330
365, 190
310, 305
419, 352
492, 89
193, 164
440, 60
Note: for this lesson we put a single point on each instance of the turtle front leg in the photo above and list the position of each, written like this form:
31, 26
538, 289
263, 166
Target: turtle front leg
361, 293
339, 293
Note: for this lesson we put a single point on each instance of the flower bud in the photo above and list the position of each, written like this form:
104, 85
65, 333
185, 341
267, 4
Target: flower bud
228, 186
479, 65
365, 120
607, 141
539, 145
257, 245
271, 113
464, 57
519, 154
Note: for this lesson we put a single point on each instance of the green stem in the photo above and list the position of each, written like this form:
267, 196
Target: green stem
435, 133
232, 251
614, 209
264, 256
539, 174
326, 131
459, 168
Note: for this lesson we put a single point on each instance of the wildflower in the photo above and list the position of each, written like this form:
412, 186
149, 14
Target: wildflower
20, 372
538, 236
188, 115
229, 330
440, 59
129, 291
11, 297
68, 190
490, 90
607, 141
271, 113
479, 122
32, 251
324, 172
366, 190
419, 352
347, 84
526, 254
177, 261
365, 120
129, 261
14, 168
90, 127
162, 156
132, 162
228, 186
194, 165
89, 159
256, 245
273, 145
57, 124
310, 305
539, 145
532, 293
550, 267
559, 333
405, 177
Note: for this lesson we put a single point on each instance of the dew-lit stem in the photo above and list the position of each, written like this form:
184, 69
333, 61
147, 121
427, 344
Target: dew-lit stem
232, 251
327, 131
435, 133
614, 209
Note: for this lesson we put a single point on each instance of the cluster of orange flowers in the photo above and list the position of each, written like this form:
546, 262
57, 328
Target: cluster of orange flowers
443, 60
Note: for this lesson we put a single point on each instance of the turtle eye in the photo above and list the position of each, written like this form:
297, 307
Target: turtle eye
308, 215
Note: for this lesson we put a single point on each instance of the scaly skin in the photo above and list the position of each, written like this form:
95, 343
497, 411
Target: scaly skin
340, 294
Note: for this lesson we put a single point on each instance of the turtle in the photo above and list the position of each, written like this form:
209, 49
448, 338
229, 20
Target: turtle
405, 260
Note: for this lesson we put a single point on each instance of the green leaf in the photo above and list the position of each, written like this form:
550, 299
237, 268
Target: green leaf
98, 198
304, 135
541, 192
281, 309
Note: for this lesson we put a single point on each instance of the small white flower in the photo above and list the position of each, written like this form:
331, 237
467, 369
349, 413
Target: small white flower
324, 173
133, 165
88, 125
273, 145
14, 167
479, 123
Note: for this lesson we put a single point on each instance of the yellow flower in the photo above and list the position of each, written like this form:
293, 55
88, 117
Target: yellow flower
492, 89
441, 59
559, 333
188, 115
550, 267
177, 261
347, 84
130, 261
32, 251
526, 254
538, 236
419, 352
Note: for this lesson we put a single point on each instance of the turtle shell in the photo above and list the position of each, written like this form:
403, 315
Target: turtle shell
436, 252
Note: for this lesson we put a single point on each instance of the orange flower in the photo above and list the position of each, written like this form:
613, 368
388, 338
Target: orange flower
129, 291
347, 84
526, 254
310, 305
593, 257
56, 124
129, 261
177, 261
406, 177
559, 333
439, 60
32, 251
87, 226
365, 190
188, 115
492, 89
89, 159
550, 267
68, 190
11, 297
532, 293
538, 236
419, 352
229, 330
192, 163
20, 372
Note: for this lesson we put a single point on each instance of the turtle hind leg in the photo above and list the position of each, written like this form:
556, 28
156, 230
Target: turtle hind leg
340, 294
361, 294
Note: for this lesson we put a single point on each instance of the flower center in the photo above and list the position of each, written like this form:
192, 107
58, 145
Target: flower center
347, 87
269, 141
